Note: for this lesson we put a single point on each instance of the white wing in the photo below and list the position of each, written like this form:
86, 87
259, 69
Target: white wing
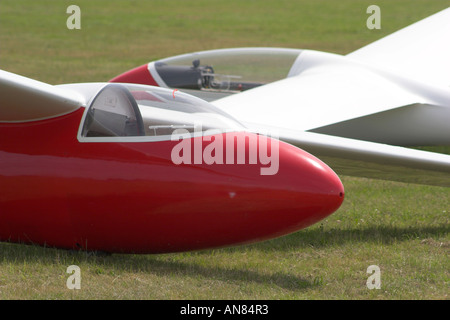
338, 96
327, 90
24, 99
394, 91
373, 160
421, 50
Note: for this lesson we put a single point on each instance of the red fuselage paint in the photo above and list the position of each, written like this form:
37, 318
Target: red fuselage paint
139, 75
130, 197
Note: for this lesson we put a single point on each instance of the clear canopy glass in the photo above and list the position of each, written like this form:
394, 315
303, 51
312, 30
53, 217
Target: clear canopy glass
227, 70
130, 110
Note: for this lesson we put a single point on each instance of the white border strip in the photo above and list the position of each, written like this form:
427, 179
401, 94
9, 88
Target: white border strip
152, 69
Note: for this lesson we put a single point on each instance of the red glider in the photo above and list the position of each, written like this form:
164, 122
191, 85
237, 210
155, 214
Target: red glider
139, 169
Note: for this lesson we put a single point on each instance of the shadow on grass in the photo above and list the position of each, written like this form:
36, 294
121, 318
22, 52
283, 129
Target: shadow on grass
169, 265
319, 238
160, 265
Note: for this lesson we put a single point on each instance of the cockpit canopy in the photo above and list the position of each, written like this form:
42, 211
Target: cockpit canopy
224, 71
113, 113
130, 110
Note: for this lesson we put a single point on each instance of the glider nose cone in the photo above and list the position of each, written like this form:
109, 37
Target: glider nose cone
321, 181
311, 190
139, 75
326, 187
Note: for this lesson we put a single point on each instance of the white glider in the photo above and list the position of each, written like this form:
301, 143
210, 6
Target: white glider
357, 112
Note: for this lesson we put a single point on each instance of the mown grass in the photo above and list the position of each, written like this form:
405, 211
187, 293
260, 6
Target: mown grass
404, 229
401, 228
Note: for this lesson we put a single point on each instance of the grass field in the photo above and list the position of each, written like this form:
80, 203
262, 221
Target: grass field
403, 229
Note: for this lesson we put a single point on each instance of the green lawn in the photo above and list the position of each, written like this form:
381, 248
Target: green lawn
404, 229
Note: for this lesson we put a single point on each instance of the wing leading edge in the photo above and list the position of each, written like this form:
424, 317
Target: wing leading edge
373, 160
419, 51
